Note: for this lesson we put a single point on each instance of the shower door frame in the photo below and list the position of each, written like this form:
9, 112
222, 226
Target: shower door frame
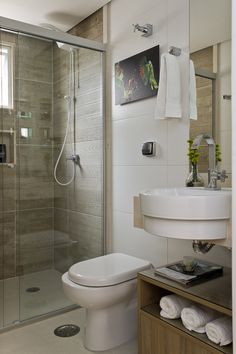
18, 26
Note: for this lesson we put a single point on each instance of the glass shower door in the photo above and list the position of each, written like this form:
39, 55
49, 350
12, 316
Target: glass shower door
35, 216
1, 196
9, 285
46, 226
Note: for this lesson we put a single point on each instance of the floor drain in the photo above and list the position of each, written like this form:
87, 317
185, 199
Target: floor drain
34, 289
67, 330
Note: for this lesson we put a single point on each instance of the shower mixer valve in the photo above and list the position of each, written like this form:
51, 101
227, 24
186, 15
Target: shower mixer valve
75, 158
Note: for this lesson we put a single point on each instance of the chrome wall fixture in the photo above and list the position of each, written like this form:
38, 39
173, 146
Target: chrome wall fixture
147, 29
227, 97
175, 51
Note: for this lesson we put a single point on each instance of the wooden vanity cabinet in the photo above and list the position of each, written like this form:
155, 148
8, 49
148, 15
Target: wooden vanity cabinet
162, 336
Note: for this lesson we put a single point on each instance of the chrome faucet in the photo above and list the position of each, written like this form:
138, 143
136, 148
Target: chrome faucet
213, 173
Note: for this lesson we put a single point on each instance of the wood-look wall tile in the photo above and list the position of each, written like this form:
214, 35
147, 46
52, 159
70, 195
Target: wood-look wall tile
62, 241
35, 177
7, 245
61, 220
8, 188
35, 59
94, 21
35, 112
35, 193
34, 240
83, 240
82, 233
86, 196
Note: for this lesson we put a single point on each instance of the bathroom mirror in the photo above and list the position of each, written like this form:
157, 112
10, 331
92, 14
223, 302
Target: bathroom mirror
210, 50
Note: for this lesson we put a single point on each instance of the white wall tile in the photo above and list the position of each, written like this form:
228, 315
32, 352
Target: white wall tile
178, 134
133, 124
129, 136
130, 180
123, 40
177, 175
178, 23
225, 145
133, 110
137, 242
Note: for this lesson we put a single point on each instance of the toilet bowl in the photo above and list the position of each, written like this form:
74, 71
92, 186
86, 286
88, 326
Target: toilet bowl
106, 287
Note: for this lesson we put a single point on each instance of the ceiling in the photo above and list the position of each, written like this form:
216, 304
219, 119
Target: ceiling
63, 14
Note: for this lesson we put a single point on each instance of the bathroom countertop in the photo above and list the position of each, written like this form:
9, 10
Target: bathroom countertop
218, 290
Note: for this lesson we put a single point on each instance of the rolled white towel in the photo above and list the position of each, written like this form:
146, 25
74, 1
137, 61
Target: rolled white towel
219, 331
172, 305
195, 318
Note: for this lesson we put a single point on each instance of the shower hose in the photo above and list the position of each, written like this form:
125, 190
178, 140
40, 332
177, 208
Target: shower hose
69, 103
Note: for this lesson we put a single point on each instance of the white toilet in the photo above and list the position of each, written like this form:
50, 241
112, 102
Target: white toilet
106, 286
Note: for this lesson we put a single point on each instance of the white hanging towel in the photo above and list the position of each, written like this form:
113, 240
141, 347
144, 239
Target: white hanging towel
172, 305
168, 103
195, 318
192, 92
219, 331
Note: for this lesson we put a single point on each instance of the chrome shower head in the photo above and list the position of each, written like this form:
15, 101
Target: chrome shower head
65, 46
60, 45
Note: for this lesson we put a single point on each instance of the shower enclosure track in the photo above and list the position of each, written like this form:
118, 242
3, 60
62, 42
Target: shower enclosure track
18, 26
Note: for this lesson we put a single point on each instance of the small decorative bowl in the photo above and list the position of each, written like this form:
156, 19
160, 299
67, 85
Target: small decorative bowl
189, 264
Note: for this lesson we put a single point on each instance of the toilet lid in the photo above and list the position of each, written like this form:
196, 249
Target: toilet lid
107, 270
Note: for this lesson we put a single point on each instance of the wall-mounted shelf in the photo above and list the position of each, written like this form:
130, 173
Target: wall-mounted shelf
9, 137
24, 115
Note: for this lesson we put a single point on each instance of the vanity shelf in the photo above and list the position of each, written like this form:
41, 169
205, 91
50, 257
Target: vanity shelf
158, 335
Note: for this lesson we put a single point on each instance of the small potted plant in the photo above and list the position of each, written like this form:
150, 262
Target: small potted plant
194, 179
218, 155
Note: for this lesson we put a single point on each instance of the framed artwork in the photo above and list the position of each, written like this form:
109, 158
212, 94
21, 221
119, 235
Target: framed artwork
137, 77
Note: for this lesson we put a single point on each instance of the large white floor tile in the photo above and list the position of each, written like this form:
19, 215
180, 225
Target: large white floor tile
39, 338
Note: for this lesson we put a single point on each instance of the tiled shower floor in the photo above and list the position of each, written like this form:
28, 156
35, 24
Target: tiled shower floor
20, 304
39, 338
49, 298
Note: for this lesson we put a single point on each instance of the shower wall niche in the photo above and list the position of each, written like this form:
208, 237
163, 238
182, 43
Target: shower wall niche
44, 227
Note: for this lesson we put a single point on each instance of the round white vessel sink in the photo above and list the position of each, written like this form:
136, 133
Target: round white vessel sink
187, 213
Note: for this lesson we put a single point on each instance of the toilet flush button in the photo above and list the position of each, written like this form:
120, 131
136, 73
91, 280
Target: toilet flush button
149, 149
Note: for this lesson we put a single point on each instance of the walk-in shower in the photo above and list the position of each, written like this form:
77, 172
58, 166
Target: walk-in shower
51, 129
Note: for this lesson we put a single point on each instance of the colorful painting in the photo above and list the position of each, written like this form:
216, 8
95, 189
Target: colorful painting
137, 77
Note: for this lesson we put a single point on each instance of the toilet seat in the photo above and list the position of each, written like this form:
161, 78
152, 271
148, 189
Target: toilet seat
107, 270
